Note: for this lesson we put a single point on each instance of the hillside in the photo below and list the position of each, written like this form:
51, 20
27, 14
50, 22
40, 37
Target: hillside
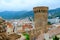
22, 14
54, 13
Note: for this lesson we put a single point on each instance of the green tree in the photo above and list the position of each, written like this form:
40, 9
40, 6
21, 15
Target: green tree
49, 23
26, 36
55, 38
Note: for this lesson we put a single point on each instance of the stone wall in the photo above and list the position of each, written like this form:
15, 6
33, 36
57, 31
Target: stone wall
40, 18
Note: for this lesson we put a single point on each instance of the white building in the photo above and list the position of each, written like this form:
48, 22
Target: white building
9, 28
54, 20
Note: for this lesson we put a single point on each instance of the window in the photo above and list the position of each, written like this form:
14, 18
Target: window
43, 11
39, 10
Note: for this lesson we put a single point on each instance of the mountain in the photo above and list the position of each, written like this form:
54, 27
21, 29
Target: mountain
12, 14
54, 13
22, 14
28, 14
16, 14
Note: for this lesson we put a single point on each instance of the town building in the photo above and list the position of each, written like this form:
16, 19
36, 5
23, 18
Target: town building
54, 20
9, 28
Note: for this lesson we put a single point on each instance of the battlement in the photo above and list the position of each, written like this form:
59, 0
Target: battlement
41, 9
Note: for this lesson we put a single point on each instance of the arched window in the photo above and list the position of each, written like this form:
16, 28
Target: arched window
39, 10
43, 11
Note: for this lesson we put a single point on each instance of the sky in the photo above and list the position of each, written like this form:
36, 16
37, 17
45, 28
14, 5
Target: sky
20, 5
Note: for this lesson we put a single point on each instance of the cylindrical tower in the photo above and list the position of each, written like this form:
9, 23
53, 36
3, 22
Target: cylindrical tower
40, 18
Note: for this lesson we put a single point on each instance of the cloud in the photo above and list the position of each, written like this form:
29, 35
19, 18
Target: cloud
16, 5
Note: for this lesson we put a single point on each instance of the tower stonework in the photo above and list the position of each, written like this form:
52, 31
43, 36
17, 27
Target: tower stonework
40, 18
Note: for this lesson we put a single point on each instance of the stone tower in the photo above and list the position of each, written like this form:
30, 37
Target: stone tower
40, 18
